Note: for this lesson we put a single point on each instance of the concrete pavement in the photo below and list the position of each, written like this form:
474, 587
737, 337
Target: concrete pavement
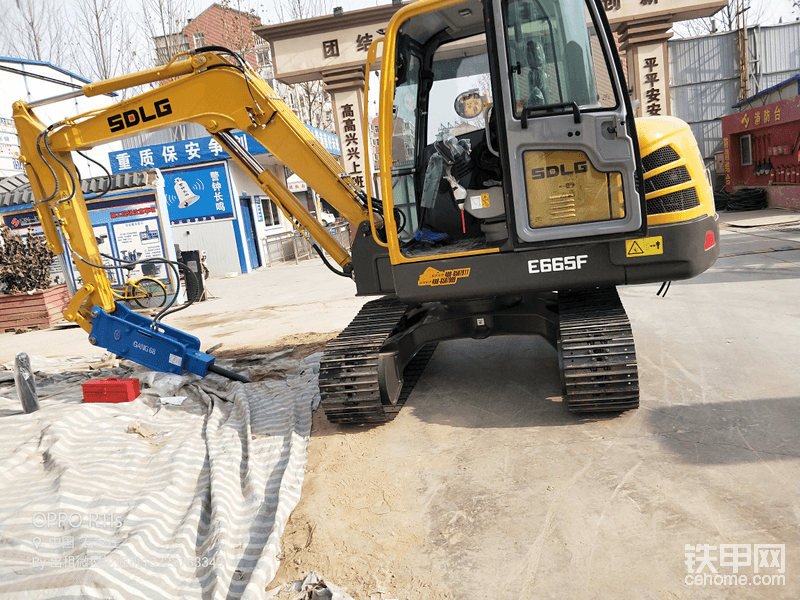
486, 487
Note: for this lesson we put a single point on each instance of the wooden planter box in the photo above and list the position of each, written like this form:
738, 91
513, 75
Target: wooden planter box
39, 310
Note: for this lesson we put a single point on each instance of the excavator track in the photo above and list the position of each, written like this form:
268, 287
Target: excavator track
348, 377
596, 352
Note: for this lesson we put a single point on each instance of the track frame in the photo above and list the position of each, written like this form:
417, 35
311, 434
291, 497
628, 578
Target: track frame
369, 370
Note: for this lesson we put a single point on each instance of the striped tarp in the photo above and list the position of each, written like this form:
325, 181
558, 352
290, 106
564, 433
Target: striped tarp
147, 500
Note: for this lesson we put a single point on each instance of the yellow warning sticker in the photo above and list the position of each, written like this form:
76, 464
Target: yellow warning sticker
433, 276
644, 246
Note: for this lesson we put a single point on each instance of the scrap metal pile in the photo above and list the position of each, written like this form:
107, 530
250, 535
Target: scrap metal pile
24, 263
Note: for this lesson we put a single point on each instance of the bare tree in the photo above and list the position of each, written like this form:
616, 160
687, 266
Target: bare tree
238, 20
163, 21
309, 99
294, 10
105, 46
313, 104
724, 20
35, 29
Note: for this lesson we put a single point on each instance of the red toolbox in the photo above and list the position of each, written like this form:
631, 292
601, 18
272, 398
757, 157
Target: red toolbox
110, 390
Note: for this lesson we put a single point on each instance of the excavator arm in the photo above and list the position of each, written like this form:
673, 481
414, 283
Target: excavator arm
220, 93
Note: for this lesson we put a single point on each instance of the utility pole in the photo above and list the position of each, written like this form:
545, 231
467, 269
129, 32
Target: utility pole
741, 34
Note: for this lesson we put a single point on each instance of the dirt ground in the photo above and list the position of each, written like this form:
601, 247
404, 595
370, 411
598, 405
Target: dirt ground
348, 526
357, 541
299, 345
484, 486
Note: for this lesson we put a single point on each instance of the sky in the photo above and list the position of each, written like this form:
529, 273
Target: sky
775, 9
772, 10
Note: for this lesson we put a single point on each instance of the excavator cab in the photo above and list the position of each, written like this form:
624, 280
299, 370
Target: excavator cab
510, 127
507, 141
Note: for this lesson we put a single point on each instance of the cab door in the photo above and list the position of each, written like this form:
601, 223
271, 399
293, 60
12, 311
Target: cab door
571, 147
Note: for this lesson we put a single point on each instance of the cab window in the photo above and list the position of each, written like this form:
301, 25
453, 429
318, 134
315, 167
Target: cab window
457, 67
555, 56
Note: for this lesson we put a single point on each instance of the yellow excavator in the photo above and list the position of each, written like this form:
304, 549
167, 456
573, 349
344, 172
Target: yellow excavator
516, 192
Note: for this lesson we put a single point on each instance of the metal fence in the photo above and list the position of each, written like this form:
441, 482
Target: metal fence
292, 246
704, 75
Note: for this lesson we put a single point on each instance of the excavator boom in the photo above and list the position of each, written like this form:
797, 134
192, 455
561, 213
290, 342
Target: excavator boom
240, 101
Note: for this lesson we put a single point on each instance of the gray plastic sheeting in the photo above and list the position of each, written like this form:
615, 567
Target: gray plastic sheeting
312, 587
146, 500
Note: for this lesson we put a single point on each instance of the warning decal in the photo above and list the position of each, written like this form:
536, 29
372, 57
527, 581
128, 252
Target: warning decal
644, 247
433, 276
479, 202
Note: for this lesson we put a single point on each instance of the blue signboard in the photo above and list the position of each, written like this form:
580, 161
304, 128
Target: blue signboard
198, 193
128, 228
22, 220
196, 151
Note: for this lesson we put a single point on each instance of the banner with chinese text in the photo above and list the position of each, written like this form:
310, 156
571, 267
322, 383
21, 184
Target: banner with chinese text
197, 151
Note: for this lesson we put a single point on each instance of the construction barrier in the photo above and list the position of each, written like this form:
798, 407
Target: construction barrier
292, 246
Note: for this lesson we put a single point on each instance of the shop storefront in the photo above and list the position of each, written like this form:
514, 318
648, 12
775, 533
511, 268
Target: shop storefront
130, 222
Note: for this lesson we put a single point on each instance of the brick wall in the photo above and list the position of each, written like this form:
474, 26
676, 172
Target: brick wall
225, 27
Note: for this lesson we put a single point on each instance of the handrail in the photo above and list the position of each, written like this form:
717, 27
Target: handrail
372, 56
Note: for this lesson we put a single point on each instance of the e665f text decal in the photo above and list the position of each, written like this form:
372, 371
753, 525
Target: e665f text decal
558, 263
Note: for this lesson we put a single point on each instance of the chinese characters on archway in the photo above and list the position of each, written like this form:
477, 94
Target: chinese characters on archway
330, 48
351, 149
653, 93
611, 5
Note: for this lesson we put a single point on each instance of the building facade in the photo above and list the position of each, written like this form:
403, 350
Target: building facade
220, 25
706, 80
216, 26
213, 206
130, 222
761, 144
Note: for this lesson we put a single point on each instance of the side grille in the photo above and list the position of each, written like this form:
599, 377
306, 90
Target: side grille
666, 179
659, 158
674, 202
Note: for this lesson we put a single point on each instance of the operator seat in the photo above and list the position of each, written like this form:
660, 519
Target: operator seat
538, 82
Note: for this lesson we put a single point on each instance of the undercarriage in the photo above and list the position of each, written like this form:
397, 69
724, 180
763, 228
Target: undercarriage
369, 370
